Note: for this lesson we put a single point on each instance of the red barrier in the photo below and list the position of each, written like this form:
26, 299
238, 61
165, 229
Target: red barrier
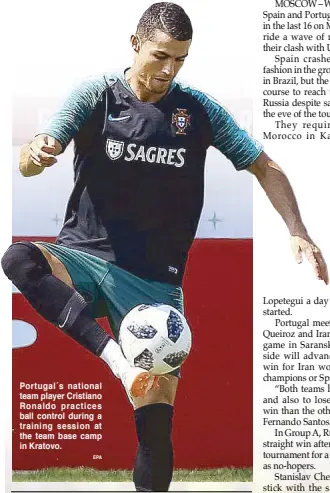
213, 412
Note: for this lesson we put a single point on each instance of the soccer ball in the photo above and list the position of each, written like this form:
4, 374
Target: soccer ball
155, 337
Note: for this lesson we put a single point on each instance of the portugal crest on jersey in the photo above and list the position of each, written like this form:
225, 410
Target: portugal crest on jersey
181, 119
114, 148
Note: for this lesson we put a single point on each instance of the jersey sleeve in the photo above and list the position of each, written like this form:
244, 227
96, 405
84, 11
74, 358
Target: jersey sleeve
75, 110
227, 136
234, 142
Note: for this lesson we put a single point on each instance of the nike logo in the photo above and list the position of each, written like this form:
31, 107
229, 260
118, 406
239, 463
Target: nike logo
65, 321
118, 119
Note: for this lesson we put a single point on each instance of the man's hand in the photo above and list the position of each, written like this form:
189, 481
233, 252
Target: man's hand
43, 148
305, 246
38, 155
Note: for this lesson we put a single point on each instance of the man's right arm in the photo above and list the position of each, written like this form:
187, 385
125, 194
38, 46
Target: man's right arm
62, 127
38, 155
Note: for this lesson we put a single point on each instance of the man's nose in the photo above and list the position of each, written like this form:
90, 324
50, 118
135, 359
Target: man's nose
168, 68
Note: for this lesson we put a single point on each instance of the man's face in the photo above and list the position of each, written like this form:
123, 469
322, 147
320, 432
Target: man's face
157, 61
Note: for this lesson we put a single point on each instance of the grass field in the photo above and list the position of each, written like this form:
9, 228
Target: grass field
87, 474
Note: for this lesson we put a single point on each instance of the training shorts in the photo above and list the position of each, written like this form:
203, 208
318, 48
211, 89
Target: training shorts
109, 290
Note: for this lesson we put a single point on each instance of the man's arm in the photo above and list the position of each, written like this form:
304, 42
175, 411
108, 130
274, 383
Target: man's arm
38, 155
62, 127
280, 193
241, 149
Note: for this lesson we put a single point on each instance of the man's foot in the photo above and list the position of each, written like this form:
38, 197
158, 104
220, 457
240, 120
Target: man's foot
138, 381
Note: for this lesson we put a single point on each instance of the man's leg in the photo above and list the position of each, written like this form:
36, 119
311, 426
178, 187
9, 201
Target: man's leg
46, 284
153, 412
153, 467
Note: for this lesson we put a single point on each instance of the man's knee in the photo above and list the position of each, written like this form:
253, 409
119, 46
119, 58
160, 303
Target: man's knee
23, 262
154, 422
165, 394
52, 298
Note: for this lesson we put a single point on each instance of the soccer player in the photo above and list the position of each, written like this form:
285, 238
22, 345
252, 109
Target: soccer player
140, 140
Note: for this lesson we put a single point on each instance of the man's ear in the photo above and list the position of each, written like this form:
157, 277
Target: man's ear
136, 44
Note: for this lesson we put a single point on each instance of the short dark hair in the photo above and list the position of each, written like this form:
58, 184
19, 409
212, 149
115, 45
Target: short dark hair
167, 17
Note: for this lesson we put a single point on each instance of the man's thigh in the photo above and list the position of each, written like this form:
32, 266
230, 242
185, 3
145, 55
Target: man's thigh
123, 291
82, 272
58, 268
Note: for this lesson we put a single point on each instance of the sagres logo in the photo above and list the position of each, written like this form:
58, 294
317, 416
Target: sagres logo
134, 152
181, 120
114, 148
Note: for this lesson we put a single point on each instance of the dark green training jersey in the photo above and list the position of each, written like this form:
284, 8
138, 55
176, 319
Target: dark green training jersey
139, 171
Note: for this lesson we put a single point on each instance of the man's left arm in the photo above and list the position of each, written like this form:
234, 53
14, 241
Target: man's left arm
242, 150
280, 193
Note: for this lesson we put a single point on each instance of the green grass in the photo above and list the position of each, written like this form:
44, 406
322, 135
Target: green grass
88, 474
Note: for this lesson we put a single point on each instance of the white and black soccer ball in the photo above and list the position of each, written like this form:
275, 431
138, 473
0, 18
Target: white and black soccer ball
155, 337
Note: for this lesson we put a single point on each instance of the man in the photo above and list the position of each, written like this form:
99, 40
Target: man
140, 144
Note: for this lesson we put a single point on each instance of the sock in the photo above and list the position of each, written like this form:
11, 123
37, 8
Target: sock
113, 356
25, 265
153, 467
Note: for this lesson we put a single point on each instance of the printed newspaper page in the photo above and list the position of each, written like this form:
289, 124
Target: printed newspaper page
260, 322
291, 307
73, 426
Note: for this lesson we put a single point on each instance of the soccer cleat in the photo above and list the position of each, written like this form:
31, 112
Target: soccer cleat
138, 382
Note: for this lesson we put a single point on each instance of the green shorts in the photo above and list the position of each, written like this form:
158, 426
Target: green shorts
109, 290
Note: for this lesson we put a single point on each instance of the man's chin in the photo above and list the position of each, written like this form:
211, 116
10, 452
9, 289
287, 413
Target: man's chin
159, 88
159, 92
